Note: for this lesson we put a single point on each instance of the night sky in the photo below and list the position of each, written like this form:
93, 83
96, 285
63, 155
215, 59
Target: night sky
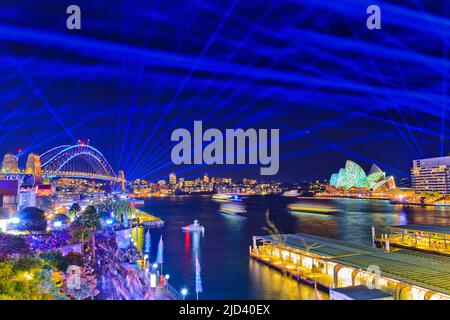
137, 70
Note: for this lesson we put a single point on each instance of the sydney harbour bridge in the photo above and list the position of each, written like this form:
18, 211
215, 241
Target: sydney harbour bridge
68, 161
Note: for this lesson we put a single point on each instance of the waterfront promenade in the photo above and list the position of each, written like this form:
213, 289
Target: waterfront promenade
121, 278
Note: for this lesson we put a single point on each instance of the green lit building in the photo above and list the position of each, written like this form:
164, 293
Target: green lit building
353, 176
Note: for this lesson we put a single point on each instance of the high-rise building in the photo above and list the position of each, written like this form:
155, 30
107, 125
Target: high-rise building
34, 166
172, 178
10, 163
432, 174
206, 178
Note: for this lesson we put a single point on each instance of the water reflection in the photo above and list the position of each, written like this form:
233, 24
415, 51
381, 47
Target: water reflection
227, 270
137, 235
274, 285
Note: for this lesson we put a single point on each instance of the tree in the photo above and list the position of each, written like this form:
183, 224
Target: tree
90, 220
75, 258
78, 231
21, 280
121, 208
45, 203
431, 196
52, 284
74, 210
56, 260
32, 220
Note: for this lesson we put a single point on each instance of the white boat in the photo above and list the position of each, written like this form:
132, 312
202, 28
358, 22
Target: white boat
138, 202
233, 209
312, 208
221, 196
291, 193
195, 227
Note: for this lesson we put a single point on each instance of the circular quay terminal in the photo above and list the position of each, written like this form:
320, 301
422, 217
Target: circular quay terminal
212, 159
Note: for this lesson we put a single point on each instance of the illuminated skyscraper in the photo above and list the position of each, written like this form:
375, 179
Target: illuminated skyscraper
34, 165
432, 174
172, 178
206, 178
10, 163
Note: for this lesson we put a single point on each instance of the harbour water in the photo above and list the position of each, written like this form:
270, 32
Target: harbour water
223, 250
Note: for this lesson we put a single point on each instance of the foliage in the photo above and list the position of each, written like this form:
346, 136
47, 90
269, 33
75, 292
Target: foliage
78, 231
121, 208
56, 260
12, 245
90, 220
52, 284
431, 196
74, 210
45, 203
75, 258
32, 219
21, 280
27, 263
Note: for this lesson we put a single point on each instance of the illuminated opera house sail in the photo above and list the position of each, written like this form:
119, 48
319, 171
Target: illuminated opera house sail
353, 176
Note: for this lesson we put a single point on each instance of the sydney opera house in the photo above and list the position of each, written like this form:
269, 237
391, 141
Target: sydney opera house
353, 177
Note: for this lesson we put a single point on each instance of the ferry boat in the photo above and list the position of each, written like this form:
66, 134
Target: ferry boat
291, 193
138, 202
221, 196
227, 197
195, 227
233, 209
312, 208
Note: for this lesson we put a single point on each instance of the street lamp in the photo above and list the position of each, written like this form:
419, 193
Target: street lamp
167, 277
184, 293
15, 220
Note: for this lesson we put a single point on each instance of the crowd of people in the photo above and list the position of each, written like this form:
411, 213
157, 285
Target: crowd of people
48, 242
120, 279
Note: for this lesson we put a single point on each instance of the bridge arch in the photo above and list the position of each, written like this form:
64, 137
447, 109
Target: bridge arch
78, 158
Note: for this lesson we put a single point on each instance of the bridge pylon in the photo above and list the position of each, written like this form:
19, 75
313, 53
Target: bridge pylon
121, 176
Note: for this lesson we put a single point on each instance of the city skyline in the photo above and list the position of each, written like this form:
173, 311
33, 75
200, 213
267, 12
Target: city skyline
128, 84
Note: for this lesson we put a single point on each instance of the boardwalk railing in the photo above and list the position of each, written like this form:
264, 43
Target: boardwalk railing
173, 291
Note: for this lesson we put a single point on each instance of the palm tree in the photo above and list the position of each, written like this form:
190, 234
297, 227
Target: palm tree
74, 210
90, 220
